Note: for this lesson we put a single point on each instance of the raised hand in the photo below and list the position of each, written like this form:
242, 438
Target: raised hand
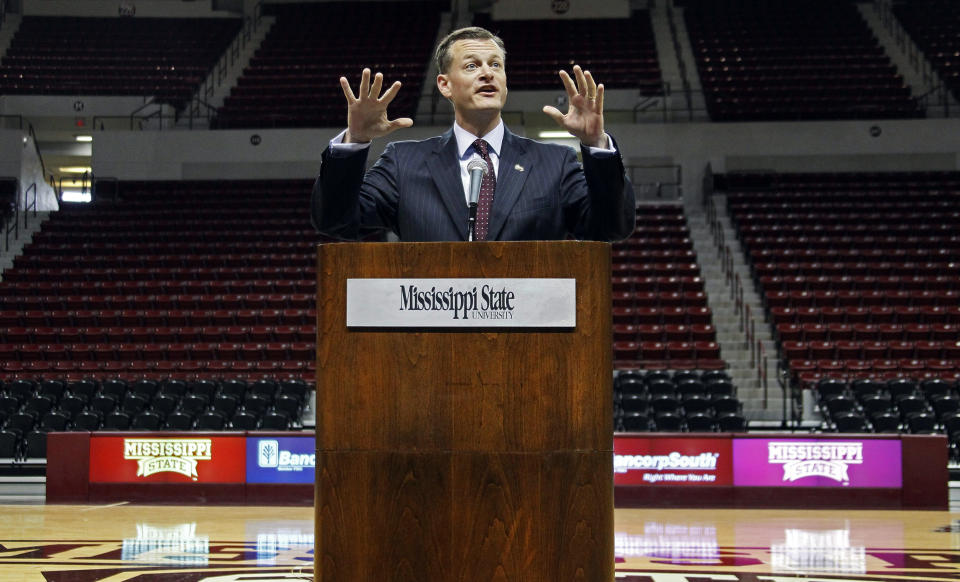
367, 114
584, 116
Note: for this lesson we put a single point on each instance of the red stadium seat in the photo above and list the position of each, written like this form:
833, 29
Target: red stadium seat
814, 332
821, 350
849, 350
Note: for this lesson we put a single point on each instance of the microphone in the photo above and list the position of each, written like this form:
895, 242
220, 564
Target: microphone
477, 168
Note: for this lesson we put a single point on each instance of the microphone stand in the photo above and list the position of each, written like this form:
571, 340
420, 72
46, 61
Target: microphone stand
472, 222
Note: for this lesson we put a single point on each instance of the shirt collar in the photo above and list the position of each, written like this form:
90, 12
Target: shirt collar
465, 139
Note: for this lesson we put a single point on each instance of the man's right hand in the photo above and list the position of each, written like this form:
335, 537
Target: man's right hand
367, 114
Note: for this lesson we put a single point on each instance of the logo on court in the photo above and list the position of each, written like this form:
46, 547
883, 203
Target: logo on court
167, 455
268, 453
829, 460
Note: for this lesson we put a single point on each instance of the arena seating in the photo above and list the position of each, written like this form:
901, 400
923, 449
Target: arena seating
680, 401
167, 58
896, 405
293, 79
619, 52
816, 60
166, 308
660, 314
934, 26
168, 282
29, 408
858, 271
168, 289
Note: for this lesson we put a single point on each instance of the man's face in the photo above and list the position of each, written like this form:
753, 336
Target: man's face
476, 80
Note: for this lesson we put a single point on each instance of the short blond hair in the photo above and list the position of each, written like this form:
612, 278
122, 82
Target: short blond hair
442, 54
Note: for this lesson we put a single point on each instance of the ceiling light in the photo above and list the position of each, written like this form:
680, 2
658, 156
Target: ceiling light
75, 196
85, 138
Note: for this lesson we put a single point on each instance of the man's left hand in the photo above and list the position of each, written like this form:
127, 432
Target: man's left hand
584, 117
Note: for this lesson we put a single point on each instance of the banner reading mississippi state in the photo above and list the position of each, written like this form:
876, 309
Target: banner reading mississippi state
167, 459
789, 462
672, 462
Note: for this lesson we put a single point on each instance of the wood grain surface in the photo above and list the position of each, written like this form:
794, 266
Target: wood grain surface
466, 455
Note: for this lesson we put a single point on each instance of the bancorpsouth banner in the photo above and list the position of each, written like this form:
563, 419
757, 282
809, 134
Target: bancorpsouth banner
817, 463
461, 303
281, 459
672, 462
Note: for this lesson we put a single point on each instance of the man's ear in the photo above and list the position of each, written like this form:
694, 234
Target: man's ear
443, 83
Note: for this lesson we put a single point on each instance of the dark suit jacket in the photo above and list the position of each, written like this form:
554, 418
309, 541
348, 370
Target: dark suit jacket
415, 189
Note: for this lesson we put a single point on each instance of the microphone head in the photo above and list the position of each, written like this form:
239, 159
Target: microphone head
477, 164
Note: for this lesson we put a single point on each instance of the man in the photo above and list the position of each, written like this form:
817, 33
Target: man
419, 189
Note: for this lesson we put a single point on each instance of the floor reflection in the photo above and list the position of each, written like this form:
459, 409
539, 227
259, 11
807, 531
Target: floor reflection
268, 544
282, 543
679, 543
826, 551
177, 545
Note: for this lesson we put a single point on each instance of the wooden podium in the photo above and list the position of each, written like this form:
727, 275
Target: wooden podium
465, 455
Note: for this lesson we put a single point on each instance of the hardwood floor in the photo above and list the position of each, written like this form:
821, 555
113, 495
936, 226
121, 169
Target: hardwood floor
136, 543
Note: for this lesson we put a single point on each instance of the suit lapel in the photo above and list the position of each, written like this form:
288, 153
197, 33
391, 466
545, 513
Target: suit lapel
445, 170
512, 173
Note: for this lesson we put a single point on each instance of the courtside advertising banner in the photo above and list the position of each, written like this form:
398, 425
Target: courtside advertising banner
692, 462
791, 462
281, 459
146, 459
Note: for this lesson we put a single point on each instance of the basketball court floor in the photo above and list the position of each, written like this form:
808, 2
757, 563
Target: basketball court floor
137, 543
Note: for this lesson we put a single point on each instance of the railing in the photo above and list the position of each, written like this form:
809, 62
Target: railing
884, 10
727, 258
157, 113
29, 205
251, 24
36, 147
791, 418
86, 184
762, 373
935, 91
649, 102
681, 64
713, 220
136, 121
133, 120
12, 224
195, 113
695, 112
939, 95
746, 319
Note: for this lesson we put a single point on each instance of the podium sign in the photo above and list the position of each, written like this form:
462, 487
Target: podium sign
466, 454
461, 302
